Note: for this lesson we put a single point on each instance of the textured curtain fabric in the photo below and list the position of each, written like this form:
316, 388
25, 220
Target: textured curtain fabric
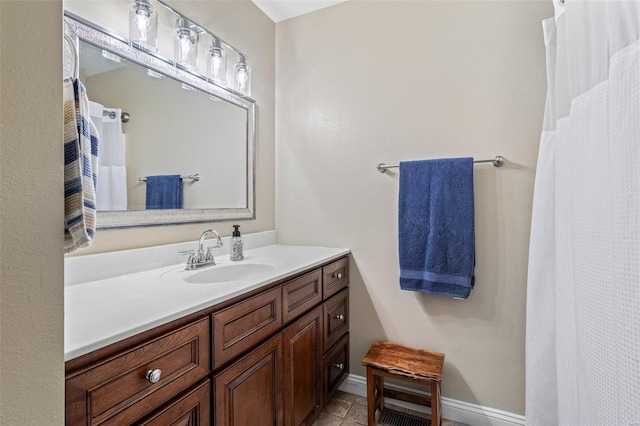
111, 193
583, 301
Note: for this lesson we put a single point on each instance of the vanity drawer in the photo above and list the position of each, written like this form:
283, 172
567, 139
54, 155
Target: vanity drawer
245, 324
105, 393
336, 318
335, 277
336, 367
301, 294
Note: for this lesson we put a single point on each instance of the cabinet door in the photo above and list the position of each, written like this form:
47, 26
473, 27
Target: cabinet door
302, 366
249, 391
193, 409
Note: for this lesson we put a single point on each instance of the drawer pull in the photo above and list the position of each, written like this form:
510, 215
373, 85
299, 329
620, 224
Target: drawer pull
339, 366
337, 275
154, 375
339, 317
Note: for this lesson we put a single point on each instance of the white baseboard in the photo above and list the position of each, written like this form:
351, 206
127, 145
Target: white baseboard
452, 409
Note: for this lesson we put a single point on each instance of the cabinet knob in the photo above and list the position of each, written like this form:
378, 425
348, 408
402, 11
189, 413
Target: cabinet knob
339, 366
154, 375
338, 275
339, 317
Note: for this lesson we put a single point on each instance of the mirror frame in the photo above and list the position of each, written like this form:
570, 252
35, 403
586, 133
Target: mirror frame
79, 28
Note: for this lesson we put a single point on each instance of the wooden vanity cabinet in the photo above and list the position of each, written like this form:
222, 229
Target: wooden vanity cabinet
272, 358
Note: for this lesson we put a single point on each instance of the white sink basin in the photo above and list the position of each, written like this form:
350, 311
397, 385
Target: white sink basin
225, 272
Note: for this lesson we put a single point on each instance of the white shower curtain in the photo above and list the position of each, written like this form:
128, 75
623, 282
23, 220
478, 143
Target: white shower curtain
111, 192
583, 301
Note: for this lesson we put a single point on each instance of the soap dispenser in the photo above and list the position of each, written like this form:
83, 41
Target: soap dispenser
236, 244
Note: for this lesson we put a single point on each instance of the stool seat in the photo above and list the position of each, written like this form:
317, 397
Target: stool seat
405, 361
395, 361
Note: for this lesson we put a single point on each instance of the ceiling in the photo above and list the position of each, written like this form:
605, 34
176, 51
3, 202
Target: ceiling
279, 10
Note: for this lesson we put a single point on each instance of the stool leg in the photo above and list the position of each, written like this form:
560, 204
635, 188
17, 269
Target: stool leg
371, 397
380, 396
436, 416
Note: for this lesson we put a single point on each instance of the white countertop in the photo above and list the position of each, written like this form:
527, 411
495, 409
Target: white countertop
104, 311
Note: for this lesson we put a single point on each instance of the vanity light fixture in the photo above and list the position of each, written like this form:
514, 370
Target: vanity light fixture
186, 45
143, 26
217, 63
242, 77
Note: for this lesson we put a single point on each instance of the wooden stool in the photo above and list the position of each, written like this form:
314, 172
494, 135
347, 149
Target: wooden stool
395, 361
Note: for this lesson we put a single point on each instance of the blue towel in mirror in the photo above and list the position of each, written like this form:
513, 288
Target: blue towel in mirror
164, 192
436, 226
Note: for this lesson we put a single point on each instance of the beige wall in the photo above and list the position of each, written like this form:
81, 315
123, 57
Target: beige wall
31, 183
366, 82
250, 30
31, 214
479, 69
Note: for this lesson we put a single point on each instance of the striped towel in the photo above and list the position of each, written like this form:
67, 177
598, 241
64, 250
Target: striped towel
80, 168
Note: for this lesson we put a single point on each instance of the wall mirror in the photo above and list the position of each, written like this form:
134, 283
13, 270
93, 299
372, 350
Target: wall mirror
156, 119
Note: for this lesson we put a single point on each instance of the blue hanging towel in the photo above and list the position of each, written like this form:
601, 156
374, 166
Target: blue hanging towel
436, 226
164, 192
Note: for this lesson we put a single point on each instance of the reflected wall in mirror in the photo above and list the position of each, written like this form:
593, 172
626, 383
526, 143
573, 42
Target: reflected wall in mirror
179, 124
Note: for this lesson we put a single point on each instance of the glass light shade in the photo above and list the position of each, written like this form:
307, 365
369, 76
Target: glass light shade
185, 45
217, 63
143, 26
242, 77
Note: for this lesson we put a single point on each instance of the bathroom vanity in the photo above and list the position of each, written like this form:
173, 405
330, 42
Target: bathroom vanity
270, 352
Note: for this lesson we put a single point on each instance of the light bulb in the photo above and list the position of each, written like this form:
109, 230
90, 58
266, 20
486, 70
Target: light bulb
217, 63
185, 45
143, 26
242, 77
184, 48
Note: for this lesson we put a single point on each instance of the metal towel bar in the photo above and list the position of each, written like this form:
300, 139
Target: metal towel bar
194, 178
498, 161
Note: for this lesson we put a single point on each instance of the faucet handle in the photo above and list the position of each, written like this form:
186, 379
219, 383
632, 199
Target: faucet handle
209, 252
192, 260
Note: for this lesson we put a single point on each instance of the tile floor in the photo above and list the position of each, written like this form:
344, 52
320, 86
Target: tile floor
347, 409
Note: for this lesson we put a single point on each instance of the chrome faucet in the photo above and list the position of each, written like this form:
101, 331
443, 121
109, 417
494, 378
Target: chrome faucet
202, 259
